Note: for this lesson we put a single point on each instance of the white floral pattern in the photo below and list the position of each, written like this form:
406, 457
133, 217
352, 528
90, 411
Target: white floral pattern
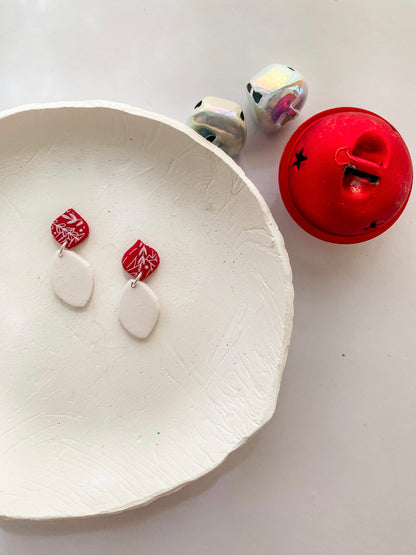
140, 258
71, 228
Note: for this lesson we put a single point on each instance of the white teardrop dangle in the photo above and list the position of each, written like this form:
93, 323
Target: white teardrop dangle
139, 307
72, 277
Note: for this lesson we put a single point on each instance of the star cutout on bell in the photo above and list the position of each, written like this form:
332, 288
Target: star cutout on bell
299, 158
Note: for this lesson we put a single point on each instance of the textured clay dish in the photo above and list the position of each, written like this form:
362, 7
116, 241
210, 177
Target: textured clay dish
92, 420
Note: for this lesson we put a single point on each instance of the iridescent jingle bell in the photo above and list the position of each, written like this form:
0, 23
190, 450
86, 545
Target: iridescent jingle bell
276, 95
221, 122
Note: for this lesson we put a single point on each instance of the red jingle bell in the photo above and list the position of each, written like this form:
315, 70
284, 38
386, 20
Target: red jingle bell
345, 175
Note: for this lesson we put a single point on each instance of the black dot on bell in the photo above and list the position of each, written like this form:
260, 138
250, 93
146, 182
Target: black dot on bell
257, 96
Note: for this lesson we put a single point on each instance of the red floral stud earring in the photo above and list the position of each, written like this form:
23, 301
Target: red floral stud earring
72, 278
139, 307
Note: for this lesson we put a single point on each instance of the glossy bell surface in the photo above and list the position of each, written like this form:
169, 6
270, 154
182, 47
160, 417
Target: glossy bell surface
345, 175
276, 95
221, 122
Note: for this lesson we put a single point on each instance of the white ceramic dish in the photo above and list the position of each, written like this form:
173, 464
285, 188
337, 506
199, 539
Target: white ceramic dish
93, 420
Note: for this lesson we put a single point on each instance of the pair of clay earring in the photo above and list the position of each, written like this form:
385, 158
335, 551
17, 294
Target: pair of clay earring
72, 277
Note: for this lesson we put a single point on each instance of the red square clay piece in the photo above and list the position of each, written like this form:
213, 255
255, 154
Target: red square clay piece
140, 258
70, 227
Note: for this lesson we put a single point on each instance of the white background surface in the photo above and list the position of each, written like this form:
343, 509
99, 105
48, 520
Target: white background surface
334, 471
